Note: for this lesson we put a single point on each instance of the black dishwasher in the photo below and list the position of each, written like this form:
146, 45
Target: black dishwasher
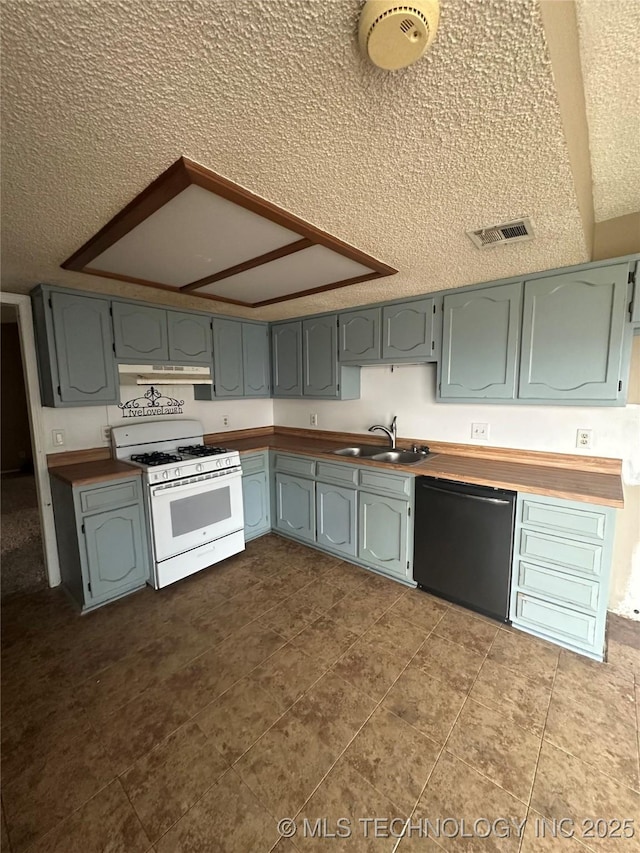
463, 544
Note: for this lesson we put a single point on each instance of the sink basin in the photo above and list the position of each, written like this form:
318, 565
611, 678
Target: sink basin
400, 457
367, 450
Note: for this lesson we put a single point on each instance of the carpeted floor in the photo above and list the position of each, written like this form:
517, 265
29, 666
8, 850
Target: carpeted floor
21, 559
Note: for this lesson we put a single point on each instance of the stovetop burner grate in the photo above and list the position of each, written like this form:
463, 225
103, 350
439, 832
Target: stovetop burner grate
156, 458
202, 450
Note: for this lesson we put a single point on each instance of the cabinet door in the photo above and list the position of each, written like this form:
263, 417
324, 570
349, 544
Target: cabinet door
84, 349
572, 335
255, 356
140, 333
382, 533
255, 498
408, 330
189, 338
360, 336
480, 343
295, 506
320, 356
286, 359
336, 521
116, 551
227, 358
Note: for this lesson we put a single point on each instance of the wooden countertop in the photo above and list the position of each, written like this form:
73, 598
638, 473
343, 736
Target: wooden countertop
88, 473
542, 479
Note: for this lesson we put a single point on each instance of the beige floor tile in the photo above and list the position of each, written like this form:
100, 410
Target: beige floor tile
167, 781
107, 822
525, 655
348, 578
566, 787
456, 665
496, 747
286, 675
422, 609
426, 703
393, 757
4, 835
325, 640
395, 635
228, 819
370, 668
357, 614
624, 657
542, 835
606, 686
517, 698
289, 617
467, 629
457, 791
417, 842
319, 595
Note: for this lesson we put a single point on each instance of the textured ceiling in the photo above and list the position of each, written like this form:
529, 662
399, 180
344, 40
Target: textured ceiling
99, 98
610, 29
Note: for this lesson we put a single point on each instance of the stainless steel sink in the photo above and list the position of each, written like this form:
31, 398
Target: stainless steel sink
366, 450
400, 457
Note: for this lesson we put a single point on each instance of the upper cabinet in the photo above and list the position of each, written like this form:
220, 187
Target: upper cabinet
240, 361
227, 358
480, 342
255, 359
408, 330
75, 349
189, 338
140, 333
572, 335
286, 359
319, 353
360, 335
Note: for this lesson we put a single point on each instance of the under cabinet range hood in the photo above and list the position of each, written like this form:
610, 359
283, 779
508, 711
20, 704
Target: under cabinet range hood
159, 374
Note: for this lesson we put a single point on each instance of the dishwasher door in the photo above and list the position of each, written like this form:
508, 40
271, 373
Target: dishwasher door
463, 544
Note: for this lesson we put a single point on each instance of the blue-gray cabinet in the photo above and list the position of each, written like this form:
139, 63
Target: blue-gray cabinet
572, 335
76, 363
360, 335
561, 567
256, 494
635, 304
480, 339
295, 506
336, 518
189, 338
140, 332
228, 376
383, 533
319, 354
408, 330
255, 360
286, 359
102, 540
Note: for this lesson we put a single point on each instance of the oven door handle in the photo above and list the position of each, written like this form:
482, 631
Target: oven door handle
170, 489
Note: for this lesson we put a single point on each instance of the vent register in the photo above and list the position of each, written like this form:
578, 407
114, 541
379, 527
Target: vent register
509, 232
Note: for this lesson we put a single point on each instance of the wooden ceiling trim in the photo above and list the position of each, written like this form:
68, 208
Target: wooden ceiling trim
321, 289
274, 255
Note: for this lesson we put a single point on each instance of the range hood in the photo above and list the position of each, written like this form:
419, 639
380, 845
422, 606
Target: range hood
159, 374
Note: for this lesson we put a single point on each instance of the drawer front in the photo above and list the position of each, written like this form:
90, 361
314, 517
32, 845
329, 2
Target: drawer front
329, 472
254, 463
103, 497
390, 484
564, 519
295, 464
558, 622
584, 557
563, 588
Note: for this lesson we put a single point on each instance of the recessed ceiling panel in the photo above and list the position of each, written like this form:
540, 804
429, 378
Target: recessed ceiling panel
195, 234
308, 269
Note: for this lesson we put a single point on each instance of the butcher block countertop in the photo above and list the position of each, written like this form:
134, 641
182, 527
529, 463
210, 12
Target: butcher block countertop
91, 472
588, 479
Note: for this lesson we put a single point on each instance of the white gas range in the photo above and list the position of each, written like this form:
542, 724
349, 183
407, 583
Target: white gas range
193, 495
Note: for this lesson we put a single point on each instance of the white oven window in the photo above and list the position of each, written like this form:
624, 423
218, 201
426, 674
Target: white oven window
201, 510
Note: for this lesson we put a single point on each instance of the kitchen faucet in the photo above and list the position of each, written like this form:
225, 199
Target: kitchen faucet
392, 431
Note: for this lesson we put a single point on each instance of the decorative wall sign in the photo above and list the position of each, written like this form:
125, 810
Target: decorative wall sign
151, 404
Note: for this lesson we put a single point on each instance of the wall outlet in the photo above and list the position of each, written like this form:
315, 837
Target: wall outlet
105, 432
480, 432
225, 420
58, 437
584, 438
313, 419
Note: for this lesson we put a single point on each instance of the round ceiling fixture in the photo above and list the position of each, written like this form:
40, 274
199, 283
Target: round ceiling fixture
394, 36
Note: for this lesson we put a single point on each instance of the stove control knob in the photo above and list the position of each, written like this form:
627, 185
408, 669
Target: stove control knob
227, 462
176, 473
165, 474
218, 463
199, 467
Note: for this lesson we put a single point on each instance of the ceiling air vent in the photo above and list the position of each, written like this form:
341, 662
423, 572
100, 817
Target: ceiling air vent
508, 232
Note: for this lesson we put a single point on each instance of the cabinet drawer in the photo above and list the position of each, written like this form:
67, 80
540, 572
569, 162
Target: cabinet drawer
254, 463
295, 464
563, 588
564, 519
390, 484
102, 497
583, 557
329, 472
554, 620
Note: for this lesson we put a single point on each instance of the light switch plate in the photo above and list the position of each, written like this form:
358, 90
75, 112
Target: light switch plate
58, 437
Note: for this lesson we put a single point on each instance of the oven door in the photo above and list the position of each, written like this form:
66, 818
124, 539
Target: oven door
186, 514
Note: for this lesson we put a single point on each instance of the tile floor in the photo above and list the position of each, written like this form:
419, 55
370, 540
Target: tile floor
284, 683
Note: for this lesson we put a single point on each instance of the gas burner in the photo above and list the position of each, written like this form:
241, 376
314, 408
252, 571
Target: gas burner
157, 458
202, 450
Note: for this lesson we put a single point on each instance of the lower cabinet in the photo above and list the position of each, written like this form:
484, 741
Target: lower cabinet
383, 533
255, 495
102, 540
296, 507
336, 522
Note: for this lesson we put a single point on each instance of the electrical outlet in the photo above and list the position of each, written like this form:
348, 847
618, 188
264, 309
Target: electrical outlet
105, 432
58, 437
313, 420
480, 432
225, 420
584, 438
